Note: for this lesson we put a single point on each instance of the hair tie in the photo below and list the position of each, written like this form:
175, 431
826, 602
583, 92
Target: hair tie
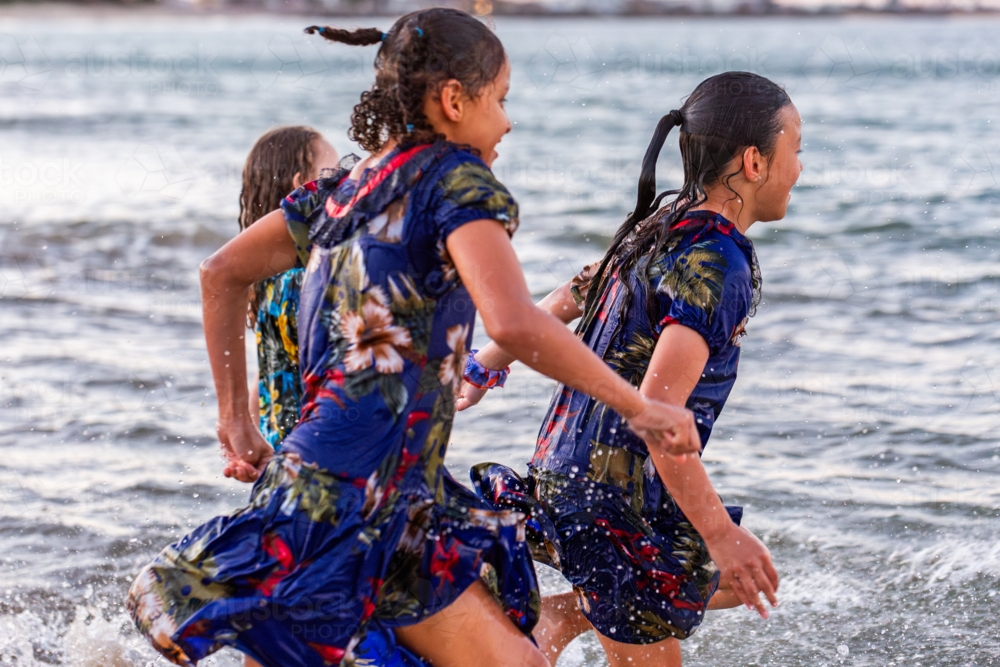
419, 31
676, 116
409, 128
384, 35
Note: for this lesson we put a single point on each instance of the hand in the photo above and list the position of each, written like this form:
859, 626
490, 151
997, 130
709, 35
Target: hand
667, 428
468, 396
245, 450
745, 564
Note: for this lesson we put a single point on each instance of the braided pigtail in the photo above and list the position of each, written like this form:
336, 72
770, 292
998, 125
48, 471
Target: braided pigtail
421, 51
360, 37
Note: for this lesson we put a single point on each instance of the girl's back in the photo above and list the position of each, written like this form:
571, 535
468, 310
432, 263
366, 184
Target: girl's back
703, 283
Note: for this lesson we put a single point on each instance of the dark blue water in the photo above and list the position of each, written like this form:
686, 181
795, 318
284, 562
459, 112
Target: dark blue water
861, 433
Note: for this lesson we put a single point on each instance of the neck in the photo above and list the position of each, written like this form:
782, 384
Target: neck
731, 207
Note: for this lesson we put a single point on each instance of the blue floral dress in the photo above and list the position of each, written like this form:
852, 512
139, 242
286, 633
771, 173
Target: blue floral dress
356, 527
280, 385
599, 512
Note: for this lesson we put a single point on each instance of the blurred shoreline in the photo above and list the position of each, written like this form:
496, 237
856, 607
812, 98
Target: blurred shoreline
486, 8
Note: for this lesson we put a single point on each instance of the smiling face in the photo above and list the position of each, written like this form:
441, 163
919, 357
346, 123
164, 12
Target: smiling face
783, 168
478, 121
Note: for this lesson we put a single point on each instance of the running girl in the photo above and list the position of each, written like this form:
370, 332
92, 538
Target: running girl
643, 537
356, 536
282, 160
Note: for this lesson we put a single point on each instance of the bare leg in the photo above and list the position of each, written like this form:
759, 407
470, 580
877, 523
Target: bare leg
561, 622
250, 662
666, 653
471, 631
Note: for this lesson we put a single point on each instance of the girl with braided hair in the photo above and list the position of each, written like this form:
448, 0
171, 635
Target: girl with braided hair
644, 538
358, 547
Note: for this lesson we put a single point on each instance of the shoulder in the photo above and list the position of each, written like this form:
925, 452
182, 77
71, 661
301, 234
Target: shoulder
465, 183
302, 203
711, 271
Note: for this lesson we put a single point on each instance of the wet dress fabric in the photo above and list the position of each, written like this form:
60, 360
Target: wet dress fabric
599, 512
276, 326
356, 527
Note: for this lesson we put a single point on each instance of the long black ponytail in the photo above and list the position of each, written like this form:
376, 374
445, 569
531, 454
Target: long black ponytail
725, 114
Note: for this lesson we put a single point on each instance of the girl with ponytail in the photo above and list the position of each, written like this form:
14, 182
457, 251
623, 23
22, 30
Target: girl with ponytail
644, 538
358, 547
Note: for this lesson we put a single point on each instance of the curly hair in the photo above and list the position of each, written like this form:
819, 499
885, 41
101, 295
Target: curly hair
268, 177
420, 52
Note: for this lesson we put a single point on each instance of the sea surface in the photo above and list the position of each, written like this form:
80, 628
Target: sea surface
861, 436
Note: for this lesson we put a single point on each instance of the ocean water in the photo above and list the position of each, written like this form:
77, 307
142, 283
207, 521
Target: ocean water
860, 436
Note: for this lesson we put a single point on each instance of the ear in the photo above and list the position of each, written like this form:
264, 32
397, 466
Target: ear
297, 180
452, 100
754, 164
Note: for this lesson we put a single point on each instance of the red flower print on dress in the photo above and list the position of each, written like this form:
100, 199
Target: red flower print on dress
443, 561
331, 655
275, 547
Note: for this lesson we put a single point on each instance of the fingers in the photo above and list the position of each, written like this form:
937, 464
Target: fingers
241, 471
765, 586
771, 573
750, 594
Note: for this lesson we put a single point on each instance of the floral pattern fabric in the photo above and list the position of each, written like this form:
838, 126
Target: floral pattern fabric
357, 528
599, 512
279, 387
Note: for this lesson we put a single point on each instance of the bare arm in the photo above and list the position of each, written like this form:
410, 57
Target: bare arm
263, 250
674, 369
489, 269
559, 303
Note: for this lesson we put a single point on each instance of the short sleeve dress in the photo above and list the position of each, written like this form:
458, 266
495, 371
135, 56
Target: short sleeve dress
280, 386
599, 512
356, 527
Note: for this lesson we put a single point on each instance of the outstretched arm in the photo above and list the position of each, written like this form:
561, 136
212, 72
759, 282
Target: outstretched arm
489, 269
674, 369
263, 250
559, 303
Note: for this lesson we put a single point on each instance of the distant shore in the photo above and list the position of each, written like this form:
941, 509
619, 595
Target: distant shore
511, 8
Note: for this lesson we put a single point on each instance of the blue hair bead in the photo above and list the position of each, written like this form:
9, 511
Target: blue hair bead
409, 128
419, 31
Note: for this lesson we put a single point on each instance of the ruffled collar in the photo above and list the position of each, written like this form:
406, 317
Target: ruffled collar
711, 220
353, 202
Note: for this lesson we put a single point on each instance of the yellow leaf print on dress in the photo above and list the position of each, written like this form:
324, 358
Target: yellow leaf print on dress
697, 277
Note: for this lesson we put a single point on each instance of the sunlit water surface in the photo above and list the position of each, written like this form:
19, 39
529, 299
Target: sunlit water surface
861, 433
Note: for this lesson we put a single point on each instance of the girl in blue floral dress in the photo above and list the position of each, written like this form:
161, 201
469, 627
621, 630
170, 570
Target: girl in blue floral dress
643, 537
280, 161
357, 546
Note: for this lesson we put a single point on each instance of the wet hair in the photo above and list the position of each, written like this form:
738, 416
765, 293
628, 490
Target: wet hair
268, 178
420, 52
725, 115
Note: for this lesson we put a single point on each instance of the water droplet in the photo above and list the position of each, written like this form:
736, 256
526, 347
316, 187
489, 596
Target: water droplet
842, 650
